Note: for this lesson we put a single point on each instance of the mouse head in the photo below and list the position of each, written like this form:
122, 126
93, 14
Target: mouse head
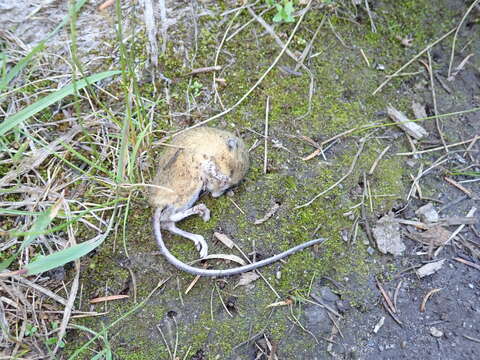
230, 164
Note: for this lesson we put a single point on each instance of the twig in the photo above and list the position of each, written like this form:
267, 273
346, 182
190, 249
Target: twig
350, 170
386, 297
41, 289
335, 324
151, 29
236, 205
365, 57
472, 338
221, 300
296, 321
336, 35
205, 69
248, 22
461, 187
394, 317
428, 47
414, 182
258, 272
466, 262
165, 341
269, 214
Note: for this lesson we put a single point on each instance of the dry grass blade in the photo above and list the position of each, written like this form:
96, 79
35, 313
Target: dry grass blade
151, 28
108, 298
350, 170
258, 82
396, 73
32, 162
456, 232
457, 29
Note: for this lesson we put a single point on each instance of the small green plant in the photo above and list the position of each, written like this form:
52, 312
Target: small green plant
52, 341
196, 87
30, 330
284, 10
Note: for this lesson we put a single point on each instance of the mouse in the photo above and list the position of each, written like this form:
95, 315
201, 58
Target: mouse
200, 160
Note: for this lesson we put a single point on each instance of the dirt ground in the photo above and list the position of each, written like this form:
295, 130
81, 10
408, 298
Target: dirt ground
325, 302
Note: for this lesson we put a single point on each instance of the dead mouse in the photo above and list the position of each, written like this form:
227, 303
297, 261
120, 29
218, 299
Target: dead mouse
202, 159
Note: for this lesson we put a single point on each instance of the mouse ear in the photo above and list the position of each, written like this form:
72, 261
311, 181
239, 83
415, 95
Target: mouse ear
232, 144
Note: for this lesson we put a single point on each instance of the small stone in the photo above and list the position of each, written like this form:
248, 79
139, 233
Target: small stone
328, 295
427, 213
342, 306
435, 332
370, 250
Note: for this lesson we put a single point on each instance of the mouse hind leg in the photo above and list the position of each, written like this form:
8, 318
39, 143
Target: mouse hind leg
200, 209
198, 240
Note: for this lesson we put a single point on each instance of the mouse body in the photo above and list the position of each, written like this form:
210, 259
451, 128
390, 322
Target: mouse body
201, 159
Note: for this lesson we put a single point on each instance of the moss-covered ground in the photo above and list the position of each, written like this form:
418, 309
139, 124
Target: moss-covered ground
342, 99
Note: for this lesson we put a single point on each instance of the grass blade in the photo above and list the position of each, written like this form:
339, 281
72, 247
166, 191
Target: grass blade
48, 100
64, 256
38, 228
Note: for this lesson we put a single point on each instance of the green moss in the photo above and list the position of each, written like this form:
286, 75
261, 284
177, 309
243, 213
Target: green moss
341, 101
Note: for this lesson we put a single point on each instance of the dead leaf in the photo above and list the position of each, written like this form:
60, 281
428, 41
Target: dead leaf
247, 278
430, 268
229, 257
436, 236
269, 214
419, 110
224, 239
411, 128
426, 297
387, 235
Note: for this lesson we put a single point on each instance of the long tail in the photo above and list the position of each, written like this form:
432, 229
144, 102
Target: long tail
219, 273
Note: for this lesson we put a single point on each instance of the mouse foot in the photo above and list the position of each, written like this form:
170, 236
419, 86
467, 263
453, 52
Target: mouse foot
203, 211
201, 246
